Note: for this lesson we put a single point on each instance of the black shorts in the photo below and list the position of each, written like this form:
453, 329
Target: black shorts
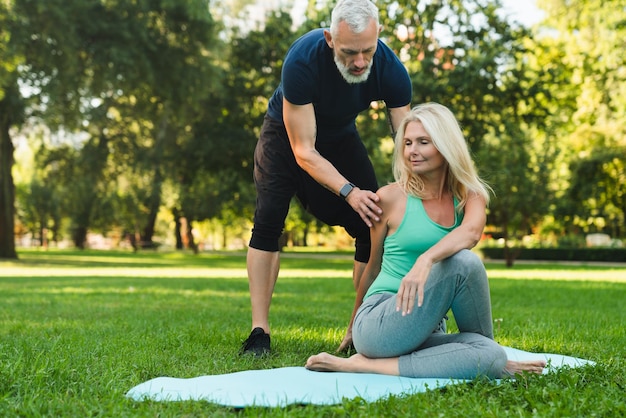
278, 178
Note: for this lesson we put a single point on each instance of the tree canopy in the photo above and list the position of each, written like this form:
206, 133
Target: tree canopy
152, 109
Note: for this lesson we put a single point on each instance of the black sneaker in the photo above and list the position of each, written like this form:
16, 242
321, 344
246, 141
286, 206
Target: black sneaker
258, 343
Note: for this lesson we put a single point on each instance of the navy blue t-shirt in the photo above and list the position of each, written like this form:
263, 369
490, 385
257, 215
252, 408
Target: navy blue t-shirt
310, 75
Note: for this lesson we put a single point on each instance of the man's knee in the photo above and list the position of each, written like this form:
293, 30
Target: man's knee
265, 240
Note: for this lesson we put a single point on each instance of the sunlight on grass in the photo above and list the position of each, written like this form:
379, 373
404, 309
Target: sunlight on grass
616, 275
57, 259
324, 334
156, 291
191, 272
306, 341
120, 271
104, 259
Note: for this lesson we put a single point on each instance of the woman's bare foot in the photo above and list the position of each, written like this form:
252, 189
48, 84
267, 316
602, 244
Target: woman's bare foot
519, 367
357, 363
324, 362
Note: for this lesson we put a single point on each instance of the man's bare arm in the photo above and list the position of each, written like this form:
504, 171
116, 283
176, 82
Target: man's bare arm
302, 130
397, 114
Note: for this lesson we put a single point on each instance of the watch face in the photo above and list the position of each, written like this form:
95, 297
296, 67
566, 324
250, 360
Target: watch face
345, 190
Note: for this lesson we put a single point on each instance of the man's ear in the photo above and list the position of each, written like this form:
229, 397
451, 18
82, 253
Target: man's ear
380, 29
329, 38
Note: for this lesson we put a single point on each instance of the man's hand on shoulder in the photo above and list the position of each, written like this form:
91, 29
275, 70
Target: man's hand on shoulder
365, 203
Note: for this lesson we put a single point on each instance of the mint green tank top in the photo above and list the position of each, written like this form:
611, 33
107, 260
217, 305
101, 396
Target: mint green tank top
415, 235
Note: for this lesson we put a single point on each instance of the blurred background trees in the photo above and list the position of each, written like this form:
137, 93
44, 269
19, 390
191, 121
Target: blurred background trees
137, 121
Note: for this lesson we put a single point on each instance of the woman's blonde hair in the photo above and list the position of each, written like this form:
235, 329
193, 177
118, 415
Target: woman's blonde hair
462, 179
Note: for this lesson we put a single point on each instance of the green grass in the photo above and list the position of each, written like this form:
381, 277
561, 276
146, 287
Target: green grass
79, 329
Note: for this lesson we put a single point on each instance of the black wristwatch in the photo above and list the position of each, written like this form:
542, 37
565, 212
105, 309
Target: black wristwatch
345, 190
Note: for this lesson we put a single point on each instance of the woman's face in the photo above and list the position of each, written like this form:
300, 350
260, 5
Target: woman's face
420, 152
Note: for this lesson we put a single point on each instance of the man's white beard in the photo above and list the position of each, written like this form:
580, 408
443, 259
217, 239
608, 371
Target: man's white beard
350, 78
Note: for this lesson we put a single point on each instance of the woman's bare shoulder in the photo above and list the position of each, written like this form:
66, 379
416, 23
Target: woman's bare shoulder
390, 190
393, 204
390, 195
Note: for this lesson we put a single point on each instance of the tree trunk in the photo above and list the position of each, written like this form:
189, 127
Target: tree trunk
94, 155
509, 255
305, 235
7, 187
79, 236
190, 240
153, 206
177, 229
154, 202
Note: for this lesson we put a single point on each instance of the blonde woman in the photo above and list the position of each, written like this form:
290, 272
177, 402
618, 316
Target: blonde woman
421, 265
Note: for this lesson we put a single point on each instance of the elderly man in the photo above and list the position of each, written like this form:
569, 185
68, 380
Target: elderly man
309, 145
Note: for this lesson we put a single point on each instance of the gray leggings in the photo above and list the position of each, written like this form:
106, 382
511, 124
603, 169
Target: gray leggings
458, 283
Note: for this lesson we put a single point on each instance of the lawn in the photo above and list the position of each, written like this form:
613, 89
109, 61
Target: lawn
79, 329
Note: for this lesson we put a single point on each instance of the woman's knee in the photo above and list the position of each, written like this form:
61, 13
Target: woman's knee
467, 257
468, 261
496, 363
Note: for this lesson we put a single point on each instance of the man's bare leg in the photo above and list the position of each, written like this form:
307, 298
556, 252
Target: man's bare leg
263, 269
262, 275
518, 367
356, 363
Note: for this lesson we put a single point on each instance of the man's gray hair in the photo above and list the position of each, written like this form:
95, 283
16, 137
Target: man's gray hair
356, 13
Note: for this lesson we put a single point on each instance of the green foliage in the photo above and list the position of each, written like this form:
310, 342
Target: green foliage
131, 77
216, 180
79, 329
599, 183
589, 37
176, 92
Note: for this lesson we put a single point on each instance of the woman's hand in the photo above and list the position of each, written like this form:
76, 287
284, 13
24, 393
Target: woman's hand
412, 286
346, 344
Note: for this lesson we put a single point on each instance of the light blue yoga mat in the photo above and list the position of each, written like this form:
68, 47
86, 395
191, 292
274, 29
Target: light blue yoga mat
297, 385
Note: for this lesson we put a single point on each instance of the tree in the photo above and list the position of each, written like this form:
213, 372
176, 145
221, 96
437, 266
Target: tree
11, 114
590, 37
599, 183
217, 176
78, 58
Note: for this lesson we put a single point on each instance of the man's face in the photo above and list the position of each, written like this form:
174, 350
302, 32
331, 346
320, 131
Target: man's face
353, 52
